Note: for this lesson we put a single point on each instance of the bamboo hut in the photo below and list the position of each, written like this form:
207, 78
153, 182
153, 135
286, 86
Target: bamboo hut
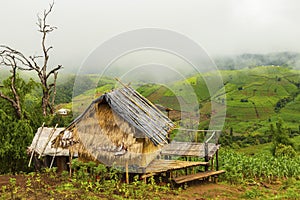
120, 128
124, 129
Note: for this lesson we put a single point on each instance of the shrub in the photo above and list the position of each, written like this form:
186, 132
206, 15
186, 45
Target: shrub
282, 150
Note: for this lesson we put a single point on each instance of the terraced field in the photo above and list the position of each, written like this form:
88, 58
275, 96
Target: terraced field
253, 96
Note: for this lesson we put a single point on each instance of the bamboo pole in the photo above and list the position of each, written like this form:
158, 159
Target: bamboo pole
186, 129
127, 174
52, 161
37, 140
217, 160
49, 138
70, 165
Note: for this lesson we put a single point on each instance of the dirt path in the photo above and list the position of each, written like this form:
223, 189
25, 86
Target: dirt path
202, 191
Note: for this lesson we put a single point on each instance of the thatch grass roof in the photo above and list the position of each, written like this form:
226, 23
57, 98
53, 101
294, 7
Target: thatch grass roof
137, 111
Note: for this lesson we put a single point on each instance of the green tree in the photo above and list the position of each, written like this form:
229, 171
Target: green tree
15, 136
16, 128
280, 136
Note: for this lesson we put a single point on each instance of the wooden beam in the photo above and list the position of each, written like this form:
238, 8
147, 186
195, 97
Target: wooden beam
148, 175
191, 177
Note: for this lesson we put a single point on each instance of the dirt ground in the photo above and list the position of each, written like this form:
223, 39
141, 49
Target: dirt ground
195, 190
208, 190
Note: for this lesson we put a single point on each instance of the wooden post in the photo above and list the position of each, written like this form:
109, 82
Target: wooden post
126, 171
206, 155
217, 160
70, 160
186, 169
37, 140
212, 164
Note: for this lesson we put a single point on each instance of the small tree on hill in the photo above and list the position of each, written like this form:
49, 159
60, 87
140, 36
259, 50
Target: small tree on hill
280, 138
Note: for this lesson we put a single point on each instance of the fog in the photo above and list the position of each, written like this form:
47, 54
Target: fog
221, 27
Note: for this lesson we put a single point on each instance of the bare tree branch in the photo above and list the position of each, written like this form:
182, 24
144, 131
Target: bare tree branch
15, 100
53, 71
13, 58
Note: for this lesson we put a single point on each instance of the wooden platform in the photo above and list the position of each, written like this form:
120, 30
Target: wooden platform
160, 165
191, 177
189, 149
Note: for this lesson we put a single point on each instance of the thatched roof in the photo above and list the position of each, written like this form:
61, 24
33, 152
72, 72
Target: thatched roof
41, 142
137, 111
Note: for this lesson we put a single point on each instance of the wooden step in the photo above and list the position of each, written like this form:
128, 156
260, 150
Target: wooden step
190, 177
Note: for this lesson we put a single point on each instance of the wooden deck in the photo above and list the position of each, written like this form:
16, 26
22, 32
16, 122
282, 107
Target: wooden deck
191, 177
189, 149
159, 165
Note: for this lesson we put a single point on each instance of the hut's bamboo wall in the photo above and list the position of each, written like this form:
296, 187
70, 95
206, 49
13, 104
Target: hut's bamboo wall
102, 133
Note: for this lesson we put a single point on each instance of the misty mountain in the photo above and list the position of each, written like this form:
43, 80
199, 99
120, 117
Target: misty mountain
284, 59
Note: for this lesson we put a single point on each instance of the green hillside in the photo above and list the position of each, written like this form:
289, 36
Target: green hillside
258, 96
255, 97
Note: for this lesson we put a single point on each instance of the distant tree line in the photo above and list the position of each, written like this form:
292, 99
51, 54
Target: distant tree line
283, 59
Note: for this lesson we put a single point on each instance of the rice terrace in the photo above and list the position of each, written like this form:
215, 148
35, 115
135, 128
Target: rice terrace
148, 114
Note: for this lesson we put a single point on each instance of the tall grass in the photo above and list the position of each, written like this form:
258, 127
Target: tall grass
263, 167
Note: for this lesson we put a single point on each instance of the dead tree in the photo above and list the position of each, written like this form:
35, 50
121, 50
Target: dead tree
14, 100
39, 64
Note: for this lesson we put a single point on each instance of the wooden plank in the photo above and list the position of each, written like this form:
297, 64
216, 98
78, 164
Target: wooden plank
148, 175
190, 177
157, 166
189, 149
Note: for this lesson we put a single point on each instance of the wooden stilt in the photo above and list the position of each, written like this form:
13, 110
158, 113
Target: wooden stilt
70, 165
217, 160
127, 174
206, 155
186, 169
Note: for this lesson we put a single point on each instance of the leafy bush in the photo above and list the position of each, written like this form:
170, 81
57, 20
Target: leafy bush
287, 151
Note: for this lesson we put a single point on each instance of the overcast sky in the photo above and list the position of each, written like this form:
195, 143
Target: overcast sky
219, 26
